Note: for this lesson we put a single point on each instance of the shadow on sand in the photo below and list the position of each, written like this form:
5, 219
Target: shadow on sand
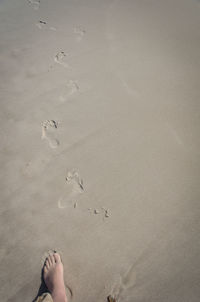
42, 289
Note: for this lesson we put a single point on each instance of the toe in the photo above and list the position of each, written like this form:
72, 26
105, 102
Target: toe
52, 259
46, 264
49, 261
45, 269
57, 257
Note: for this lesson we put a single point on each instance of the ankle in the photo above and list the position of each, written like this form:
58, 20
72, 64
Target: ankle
59, 296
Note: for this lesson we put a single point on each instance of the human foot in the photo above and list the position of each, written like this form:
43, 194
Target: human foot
54, 278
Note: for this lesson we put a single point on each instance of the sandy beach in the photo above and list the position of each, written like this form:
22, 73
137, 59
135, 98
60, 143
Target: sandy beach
100, 123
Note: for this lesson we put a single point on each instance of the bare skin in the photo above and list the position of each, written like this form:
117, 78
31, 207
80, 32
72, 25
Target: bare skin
54, 278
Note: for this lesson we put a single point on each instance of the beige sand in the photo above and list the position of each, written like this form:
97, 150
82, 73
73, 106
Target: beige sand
100, 147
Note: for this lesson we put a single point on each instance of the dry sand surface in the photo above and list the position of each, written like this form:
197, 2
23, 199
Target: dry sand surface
100, 123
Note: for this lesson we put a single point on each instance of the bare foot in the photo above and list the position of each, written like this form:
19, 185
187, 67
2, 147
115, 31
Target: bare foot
54, 278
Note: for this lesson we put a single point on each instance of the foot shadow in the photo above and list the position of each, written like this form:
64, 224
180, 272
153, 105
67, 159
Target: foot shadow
43, 288
111, 299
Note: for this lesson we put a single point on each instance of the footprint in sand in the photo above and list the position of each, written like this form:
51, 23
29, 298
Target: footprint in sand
60, 58
73, 89
35, 3
70, 89
79, 32
41, 24
49, 128
105, 212
73, 187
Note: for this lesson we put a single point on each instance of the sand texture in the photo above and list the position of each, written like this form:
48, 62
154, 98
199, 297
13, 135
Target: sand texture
100, 124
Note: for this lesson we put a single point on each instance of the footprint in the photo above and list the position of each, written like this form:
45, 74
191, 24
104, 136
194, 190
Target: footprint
41, 24
79, 32
35, 3
60, 58
106, 212
69, 90
73, 187
74, 88
48, 132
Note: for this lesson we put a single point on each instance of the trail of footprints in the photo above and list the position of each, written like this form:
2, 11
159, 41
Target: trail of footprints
73, 186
